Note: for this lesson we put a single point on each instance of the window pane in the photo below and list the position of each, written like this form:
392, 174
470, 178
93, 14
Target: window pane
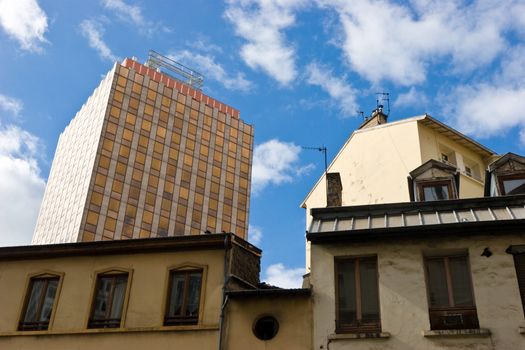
461, 287
177, 292
437, 283
369, 291
47, 307
346, 292
436, 192
193, 294
119, 294
514, 186
101, 300
34, 299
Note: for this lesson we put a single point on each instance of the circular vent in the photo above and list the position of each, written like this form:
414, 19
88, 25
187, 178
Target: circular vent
266, 327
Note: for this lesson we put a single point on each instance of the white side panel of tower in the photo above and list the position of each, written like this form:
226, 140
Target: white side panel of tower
68, 183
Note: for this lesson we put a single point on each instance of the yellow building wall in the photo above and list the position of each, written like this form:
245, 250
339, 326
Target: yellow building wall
374, 165
142, 323
403, 296
293, 313
431, 142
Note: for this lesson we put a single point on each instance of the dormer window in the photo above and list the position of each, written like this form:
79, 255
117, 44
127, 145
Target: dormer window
506, 176
433, 181
434, 190
512, 184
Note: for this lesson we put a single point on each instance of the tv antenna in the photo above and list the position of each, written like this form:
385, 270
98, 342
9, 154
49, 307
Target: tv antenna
320, 149
383, 97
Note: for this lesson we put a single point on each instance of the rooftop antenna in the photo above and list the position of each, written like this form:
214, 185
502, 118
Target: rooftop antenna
181, 72
362, 114
383, 97
321, 149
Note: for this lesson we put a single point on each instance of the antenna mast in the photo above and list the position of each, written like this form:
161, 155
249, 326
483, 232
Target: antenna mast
383, 97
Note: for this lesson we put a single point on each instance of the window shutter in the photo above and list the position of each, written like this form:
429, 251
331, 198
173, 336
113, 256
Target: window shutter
519, 261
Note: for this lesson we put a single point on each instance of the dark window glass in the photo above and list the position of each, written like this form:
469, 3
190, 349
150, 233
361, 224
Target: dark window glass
450, 293
435, 191
108, 301
513, 184
39, 304
357, 295
183, 297
266, 328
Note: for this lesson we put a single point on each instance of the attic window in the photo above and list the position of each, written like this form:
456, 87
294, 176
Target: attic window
512, 184
435, 190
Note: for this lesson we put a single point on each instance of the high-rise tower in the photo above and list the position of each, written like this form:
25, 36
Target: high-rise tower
148, 155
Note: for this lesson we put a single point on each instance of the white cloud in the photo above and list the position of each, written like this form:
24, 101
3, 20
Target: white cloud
384, 40
22, 186
24, 21
10, 104
411, 98
255, 234
492, 106
93, 31
340, 91
260, 23
275, 162
126, 12
207, 65
281, 276
486, 110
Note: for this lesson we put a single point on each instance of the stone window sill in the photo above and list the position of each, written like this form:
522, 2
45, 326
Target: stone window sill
477, 332
352, 336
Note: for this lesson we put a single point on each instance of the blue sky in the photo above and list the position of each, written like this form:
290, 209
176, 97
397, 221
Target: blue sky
300, 71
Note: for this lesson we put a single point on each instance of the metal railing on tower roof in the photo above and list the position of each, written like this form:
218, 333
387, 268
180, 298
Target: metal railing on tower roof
181, 72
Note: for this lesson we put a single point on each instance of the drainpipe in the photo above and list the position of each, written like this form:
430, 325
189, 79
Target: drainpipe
224, 290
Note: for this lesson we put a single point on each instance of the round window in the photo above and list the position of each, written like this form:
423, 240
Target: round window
266, 327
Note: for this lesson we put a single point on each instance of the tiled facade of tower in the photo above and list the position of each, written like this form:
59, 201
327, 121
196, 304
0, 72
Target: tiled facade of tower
148, 156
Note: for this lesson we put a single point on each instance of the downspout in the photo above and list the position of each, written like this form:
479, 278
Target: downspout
224, 290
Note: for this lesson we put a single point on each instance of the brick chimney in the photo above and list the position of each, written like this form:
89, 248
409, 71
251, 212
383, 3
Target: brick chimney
377, 118
334, 189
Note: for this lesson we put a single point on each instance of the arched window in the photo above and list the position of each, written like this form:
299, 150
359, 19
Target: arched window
184, 296
39, 303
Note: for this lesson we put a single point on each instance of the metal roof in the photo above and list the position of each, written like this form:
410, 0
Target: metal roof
417, 215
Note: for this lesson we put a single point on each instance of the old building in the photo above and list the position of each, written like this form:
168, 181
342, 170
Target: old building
148, 155
411, 254
185, 292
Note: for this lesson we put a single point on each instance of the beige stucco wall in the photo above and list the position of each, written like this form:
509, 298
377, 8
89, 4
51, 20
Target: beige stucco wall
142, 326
293, 313
374, 165
403, 298
430, 141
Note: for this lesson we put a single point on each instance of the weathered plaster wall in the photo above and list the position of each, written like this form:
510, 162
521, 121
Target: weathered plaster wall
403, 298
294, 314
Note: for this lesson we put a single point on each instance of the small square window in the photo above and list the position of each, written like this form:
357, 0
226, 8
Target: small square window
108, 301
184, 291
39, 304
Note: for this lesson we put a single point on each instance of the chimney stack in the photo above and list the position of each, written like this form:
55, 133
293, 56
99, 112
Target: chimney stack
334, 190
377, 118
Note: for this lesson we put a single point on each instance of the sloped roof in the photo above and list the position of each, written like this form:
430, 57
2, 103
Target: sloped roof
417, 218
424, 119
